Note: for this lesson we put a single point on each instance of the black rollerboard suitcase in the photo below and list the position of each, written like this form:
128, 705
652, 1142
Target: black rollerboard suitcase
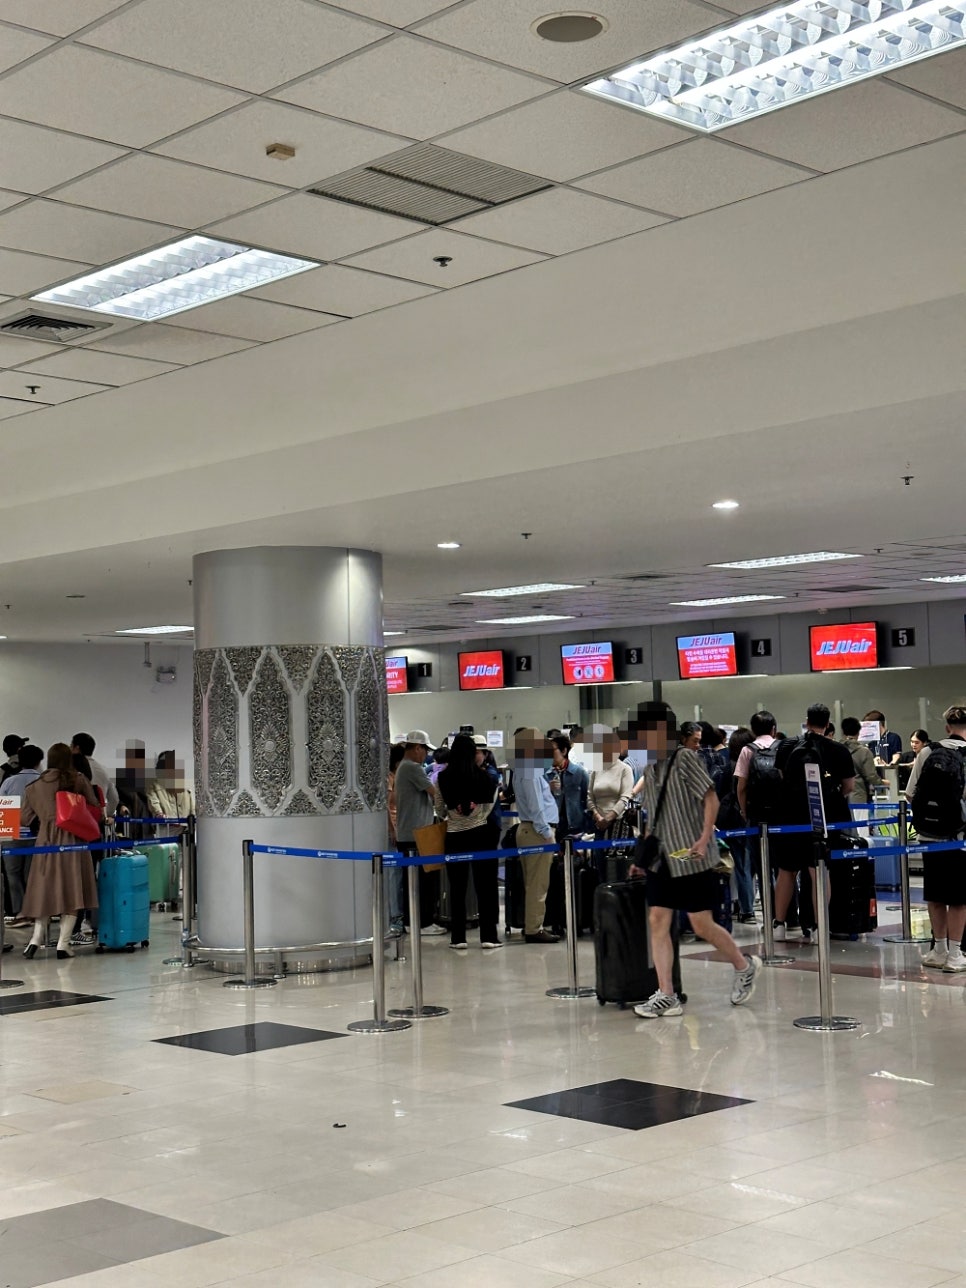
853, 910
625, 969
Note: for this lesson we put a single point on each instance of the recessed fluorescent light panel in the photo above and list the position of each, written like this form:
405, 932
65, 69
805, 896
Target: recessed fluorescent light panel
782, 56
724, 599
784, 561
948, 581
538, 588
171, 279
156, 630
524, 621
725, 505
385, 634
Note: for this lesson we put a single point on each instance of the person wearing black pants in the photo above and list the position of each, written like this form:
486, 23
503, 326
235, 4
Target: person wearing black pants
464, 796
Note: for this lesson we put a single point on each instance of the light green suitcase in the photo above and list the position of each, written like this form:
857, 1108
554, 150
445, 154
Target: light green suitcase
164, 869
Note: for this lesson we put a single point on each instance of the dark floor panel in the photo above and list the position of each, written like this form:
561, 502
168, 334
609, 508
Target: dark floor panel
628, 1104
46, 999
64, 1242
244, 1039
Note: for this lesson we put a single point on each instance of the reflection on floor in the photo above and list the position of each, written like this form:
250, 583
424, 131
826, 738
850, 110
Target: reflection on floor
427, 1158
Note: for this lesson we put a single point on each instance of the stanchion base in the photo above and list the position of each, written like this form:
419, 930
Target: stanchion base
570, 993
410, 1012
378, 1026
171, 961
834, 1024
249, 983
11, 983
898, 939
776, 960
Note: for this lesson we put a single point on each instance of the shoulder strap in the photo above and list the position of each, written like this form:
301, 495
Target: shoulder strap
663, 792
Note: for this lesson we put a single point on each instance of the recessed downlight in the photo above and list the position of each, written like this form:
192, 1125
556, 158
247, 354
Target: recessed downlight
569, 28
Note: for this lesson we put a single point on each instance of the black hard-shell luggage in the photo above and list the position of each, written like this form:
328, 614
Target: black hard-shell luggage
625, 968
852, 908
586, 882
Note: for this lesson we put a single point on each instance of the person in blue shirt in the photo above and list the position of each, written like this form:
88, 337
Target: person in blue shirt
539, 815
569, 783
889, 747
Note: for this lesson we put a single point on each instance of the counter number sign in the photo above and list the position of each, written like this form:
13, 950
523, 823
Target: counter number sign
633, 656
761, 648
904, 637
524, 662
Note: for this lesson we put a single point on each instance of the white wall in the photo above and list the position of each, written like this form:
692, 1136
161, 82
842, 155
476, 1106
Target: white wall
51, 691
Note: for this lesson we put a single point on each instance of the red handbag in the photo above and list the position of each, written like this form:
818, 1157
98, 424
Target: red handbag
74, 816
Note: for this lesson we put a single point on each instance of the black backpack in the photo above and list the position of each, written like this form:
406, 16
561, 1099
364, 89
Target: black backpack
764, 789
937, 807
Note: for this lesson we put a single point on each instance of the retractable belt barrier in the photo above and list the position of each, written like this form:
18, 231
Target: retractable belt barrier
92, 845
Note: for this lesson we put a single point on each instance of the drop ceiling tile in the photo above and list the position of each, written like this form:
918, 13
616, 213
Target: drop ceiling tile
87, 92
471, 257
16, 45
342, 290
22, 273
501, 30
13, 384
558, 221
398, 13
57, 17
35, 158
154, 187
253, 319
99, 368
237, 142
414, 87
50, 227
563, 136
10, 407
942, 77
245, 43
173, 344
313, 226
694, 176
870, 119
14, 350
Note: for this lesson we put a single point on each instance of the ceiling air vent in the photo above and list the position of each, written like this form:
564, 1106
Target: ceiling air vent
44, 326
846, 590
430, 184
646, 576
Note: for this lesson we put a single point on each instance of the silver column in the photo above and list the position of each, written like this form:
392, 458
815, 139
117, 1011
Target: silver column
290, 736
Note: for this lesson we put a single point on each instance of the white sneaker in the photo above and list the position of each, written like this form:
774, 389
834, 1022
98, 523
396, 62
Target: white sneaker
460, 947
955, 961
659, 1005
745, 980
434, 930
935, 959
778, 932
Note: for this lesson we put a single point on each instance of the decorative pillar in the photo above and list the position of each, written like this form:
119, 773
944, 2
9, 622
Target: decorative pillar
290, 739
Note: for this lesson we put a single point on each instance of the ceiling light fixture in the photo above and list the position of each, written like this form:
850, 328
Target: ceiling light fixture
723, 599
156, 630
538, 588
447, 545
782, 56
182, 275
525, 621
784, 561
725, 505
386, 634
948, 581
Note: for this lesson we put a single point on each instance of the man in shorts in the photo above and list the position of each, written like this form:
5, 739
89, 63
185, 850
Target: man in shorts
684, 824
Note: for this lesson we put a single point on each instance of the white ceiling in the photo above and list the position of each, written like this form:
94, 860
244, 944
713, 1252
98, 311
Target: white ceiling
777, 313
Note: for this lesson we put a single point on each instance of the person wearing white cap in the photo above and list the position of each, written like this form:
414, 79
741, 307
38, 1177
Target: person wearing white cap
414, 808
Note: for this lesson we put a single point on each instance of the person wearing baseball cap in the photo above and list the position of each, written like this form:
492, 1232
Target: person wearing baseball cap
11, 749
414, 808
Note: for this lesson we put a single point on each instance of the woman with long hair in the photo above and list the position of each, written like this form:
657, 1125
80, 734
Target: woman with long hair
464, 796
58, 883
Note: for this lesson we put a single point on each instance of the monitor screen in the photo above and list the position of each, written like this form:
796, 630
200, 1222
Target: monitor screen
483, 670
702, 656
397, 675
587, 663
852, 647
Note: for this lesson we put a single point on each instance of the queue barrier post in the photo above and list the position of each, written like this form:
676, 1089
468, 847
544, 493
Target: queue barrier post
188, 868
572, 990
379, 1023
418, 1010
249, 979
825, 1022
5, 983
905, 894
769, 956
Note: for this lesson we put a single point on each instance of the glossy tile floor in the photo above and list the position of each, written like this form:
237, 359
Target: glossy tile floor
406, 1158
